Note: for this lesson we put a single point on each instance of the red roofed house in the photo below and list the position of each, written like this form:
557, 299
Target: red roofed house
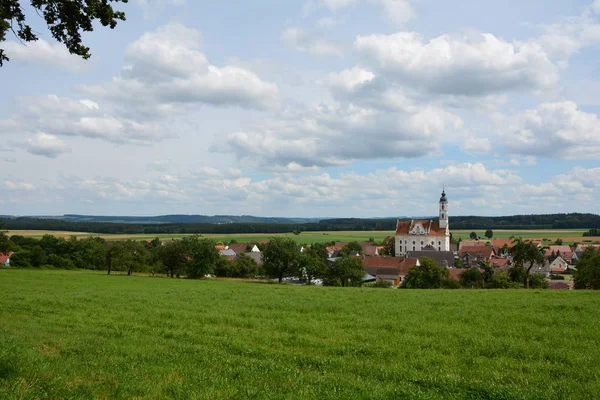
241, 248
416, 234
476, 255
392, 269
5, 258
499, 262
564, 251
471, 243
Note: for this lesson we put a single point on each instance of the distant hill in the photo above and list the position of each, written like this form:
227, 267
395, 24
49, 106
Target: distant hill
178, 219
180, 224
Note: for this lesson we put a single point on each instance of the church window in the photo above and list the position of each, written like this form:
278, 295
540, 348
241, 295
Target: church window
439, 243
400, 249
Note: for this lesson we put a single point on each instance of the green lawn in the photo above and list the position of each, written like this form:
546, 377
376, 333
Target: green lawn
83, 335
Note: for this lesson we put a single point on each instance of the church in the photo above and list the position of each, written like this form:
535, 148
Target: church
418, 234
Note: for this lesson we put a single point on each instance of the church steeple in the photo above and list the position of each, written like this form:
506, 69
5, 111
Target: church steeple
443, 210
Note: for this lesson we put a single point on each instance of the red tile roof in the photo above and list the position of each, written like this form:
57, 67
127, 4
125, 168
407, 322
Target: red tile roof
499, 262
565, 251
432, 228
455, 273
480, 251
402, 264
5, 256
472, 243
501, 242
238, 247
560, 285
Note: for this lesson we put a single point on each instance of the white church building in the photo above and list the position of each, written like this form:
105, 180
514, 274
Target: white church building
417, 234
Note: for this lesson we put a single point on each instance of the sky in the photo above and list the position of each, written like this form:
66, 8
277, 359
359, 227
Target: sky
308, 108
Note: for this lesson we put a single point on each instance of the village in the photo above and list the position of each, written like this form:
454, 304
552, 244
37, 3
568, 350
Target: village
390, 262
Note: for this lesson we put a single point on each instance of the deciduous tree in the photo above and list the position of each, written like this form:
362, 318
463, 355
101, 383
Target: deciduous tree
66, 20
280, 257
526, 254
489, 234
427, 275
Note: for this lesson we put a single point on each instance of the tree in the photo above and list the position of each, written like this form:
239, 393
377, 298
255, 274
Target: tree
224, 267
66, 21
558, 242
526, 254
345, 271
280, 258
311, 266
587, 275
173, 257
471, 278
351, 248
128, 255
319, 250
201, 256
489, 234
502, 280
389, 246
245, 267
473, 235
5, 243
427, 275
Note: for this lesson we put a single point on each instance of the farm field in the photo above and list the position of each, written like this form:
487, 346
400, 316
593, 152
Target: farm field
568, 236
71, 334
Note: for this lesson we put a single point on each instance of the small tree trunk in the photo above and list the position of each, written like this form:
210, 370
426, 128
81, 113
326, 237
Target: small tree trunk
109, 265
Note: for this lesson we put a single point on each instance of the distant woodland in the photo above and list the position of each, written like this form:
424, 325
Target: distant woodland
549, 221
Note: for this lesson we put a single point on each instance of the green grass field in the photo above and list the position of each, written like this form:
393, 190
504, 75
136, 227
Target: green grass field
568, 236
82, 335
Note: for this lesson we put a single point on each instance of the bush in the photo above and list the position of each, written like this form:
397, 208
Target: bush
380, 284
538, 281
60, 262
20, 260
557, 277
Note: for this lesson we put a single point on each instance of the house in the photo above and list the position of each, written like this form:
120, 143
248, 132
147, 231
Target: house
367, 248
455, 273
499, 262
5, 258
442, 258
476, 255
501, 245
559, 265
392, 269
416, 234
332, 252
257, 257
564, 251
581, 248
221, 247
242, 248
471, 243
228, 253
543, 268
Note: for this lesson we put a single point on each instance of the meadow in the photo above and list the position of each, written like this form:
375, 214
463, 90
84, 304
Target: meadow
81, 335
568, 236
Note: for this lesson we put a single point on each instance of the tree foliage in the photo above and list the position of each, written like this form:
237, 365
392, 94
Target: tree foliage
587, 275
280, 257
489, 233
526, 254
352, 247
66, 20
473, 235
201, 256
472, 278
389, 246
345, 271
427, 275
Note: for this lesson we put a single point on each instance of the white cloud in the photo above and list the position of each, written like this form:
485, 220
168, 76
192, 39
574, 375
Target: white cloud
167, 72
476, 145
297, 39
472, 64
60, 116
20, 186
336, 135
46, 54
46, 145
554, 130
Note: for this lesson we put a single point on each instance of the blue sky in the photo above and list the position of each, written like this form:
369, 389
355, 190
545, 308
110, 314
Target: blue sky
355, 108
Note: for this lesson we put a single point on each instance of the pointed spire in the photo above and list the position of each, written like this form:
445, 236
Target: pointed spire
443, 198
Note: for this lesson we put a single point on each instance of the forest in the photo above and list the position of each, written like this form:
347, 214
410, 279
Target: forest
548, 221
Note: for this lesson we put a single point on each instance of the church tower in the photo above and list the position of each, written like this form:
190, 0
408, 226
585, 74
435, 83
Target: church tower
443, 210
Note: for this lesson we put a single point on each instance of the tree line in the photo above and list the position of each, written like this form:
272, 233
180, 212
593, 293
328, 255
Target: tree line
550, 221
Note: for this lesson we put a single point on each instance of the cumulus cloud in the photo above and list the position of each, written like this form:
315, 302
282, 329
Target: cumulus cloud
472, 64
18, 186
46, 54
60, 116
556, 130
299, 40
563, 39
46, 145
167, 71
336, 135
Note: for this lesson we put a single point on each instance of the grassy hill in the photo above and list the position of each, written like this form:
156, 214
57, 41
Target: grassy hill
85, 335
